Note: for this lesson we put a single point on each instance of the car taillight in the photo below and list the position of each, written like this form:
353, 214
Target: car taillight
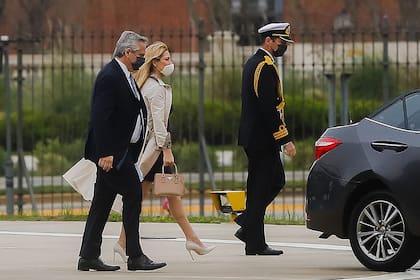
324, 145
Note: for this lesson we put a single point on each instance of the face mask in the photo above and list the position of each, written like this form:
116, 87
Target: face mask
168, 69
280, 50
139, 62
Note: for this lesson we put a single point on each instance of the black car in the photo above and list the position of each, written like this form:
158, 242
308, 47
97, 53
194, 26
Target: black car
364, 185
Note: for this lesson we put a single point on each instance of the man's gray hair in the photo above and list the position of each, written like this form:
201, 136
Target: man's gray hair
128, 40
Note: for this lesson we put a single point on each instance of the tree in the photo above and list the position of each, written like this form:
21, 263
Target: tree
2, 8
220, 14
34, 21
410, 10
354, 6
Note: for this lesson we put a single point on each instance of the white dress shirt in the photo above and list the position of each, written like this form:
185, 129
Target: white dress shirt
139, 123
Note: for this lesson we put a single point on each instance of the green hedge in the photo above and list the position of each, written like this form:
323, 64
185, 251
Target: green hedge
61, 108
3, 157
57, 110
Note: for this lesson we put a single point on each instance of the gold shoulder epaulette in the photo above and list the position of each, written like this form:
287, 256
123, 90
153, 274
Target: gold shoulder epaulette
267, 60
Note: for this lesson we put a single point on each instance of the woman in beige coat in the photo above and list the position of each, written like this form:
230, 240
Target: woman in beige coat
157, 149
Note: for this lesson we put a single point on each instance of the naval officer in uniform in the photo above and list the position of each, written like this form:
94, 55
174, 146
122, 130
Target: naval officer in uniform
263, 134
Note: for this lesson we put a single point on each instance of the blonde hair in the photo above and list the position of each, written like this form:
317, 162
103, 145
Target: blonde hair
153, 51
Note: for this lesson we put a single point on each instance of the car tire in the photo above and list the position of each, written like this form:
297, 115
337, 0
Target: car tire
379, 236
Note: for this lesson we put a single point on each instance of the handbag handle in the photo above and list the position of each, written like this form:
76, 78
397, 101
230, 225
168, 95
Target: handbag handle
163, 169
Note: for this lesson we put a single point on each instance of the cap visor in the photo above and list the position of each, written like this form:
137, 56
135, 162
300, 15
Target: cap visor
287, 40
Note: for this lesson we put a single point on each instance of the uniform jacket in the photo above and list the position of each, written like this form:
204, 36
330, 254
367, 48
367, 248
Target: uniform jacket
158, 99
262, 123
114, 111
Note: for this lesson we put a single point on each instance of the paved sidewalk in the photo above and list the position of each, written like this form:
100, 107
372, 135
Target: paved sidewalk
48, 250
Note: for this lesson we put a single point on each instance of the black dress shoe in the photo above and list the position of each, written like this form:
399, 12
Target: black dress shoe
240, 235
95, 264
239, 220
266, 252
143, 263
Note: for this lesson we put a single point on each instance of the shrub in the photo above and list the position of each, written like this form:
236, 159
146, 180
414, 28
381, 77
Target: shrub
52, 164
187, 155
73, 151
50, 156
366, 82
3, 157
240, 161
305, 152
221, 121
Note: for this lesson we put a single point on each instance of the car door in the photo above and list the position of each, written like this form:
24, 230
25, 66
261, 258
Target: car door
391, 142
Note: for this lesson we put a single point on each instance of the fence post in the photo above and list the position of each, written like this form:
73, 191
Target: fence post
19, 125
385, 61
201, 69
331, 99
8, 166
22, 170
344, 98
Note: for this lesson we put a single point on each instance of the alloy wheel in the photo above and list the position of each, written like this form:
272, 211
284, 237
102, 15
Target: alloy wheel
380, 230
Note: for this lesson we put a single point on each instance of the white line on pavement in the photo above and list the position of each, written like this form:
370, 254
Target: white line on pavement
219, 241
408, 275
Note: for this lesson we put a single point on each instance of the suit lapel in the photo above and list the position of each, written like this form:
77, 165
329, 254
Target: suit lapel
139, 103
123, 78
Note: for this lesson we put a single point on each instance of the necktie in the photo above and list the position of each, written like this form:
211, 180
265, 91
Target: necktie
138, 130
134, 87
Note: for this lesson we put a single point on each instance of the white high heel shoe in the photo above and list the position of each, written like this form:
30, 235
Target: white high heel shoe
120, 250
192, 246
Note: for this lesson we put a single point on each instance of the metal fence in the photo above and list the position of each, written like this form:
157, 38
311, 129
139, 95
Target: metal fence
330, 78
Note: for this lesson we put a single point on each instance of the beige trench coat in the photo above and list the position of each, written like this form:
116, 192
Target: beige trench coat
158, 99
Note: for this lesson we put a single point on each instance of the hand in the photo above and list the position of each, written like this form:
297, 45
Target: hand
168, 157
289, 149
106, 163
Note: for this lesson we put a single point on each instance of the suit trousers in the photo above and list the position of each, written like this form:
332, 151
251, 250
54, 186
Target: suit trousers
126, 182
265, 180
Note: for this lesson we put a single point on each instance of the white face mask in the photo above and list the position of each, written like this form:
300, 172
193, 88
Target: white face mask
168, 69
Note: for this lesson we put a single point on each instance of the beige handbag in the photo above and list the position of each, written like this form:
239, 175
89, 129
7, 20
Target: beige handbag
166, 184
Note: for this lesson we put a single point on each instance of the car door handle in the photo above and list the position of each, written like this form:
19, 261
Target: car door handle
383, 145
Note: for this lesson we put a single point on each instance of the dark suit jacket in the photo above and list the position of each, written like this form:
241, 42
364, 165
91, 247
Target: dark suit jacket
114, 111
262, 125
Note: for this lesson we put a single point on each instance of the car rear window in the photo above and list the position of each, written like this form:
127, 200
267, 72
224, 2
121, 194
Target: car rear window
413, 111
392, 115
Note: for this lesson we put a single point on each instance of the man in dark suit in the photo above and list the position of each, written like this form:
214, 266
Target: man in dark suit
263, 134
115, 137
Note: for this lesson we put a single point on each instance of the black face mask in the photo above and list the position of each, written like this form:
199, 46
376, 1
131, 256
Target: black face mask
280, 50
139, 62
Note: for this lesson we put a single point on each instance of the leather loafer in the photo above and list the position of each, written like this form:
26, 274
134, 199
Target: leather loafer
240, 235
238, 220
95, 264
143, 263
266, 252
